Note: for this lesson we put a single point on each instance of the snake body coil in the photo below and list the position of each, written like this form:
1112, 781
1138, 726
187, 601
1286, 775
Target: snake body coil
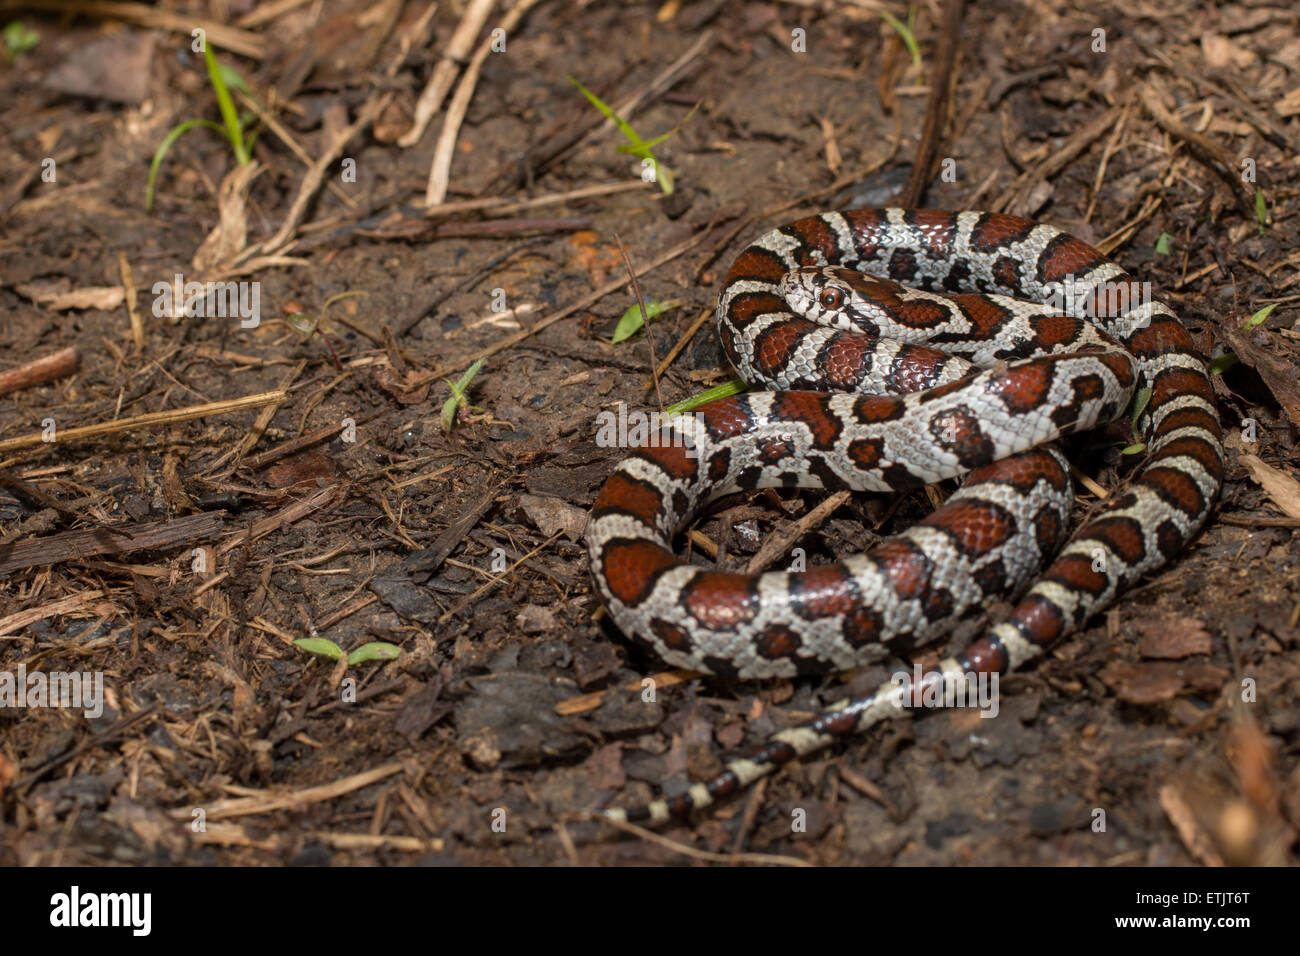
904, 347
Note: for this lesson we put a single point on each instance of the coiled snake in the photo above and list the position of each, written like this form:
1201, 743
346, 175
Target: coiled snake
904, 347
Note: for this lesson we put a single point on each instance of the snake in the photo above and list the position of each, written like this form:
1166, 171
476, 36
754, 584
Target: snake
897, 348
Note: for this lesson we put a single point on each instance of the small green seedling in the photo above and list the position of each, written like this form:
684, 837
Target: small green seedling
907, 31
1162, 244
233, 126
636, 145
1261, 210
373, 651
18, 39
1228, 359
1140, 399
632, 319
458, 400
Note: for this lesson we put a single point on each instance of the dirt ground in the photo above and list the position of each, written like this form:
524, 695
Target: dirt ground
1166, 732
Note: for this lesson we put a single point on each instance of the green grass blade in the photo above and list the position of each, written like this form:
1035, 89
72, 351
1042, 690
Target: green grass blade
726, 390
632, 321
908, 37
165, 145
229, 116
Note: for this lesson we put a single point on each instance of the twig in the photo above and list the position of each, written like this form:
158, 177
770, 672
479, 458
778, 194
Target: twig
585, 302
236, 41
453, 56
483, 589
47, 369
652, 384
782, 539
149, 420
440, 168
937, 109
1210, 153
645, 318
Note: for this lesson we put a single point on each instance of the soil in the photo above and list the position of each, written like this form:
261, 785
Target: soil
1165, 732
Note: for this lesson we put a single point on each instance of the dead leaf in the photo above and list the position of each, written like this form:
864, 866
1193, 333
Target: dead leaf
230, 236
1220, 52
58, 297
406, 388
1196, 840
1280, 487
551, 515
1173, 638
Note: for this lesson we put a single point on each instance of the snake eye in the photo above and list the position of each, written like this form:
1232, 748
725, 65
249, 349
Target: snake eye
832, 299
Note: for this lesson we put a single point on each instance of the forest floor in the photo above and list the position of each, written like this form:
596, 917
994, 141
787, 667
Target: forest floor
304, 484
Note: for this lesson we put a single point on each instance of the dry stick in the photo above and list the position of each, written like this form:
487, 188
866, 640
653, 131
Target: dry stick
440, 168
626, 109
254, 434
149, 420
458, 47
652, 383
456, 365
776, 545
645, 318
302, 441
937, 109
1080, 140
287, 138
132, 311
286, 515
1112, 146
26, 618
108, 539
268, 802
479, 592
316, 175
89, 743
1210, 153
505, 227
424, 311
501, 206
690, 851
1257, 118
42, 370
267, 12
236, 41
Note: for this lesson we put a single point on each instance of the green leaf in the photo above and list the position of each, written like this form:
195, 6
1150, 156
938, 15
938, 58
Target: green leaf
632, 321
457, 399
165, 145
320, 645
1162, 244
234, 131
374, 651
904, 31
1133, 449
725, 390
1261, 211
637, 146
19, 38
1259, 317
1224, 362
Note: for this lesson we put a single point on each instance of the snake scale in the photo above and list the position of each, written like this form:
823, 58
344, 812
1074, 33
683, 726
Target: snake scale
903, 347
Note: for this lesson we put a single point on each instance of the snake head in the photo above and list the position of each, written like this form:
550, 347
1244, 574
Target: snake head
835, 296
